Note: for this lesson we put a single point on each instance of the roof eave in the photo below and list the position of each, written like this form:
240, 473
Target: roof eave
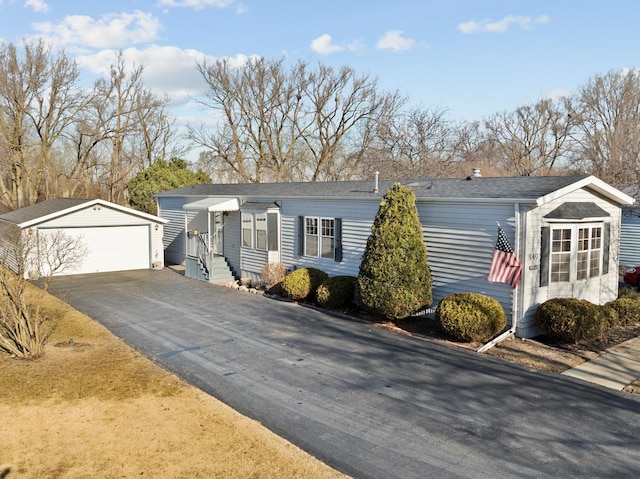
594, 183
87, 204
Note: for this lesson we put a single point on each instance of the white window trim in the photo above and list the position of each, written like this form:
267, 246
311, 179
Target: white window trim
266, 232
243, 215
573, 252
319, 236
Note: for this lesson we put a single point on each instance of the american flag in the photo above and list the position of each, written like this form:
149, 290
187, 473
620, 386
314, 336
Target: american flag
505, 267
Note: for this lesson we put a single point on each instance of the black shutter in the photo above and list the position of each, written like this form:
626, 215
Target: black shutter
338, 238
272, 231
300, 235
606, 241
545, 245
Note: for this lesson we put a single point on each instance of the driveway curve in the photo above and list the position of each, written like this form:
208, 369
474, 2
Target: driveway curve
368, 402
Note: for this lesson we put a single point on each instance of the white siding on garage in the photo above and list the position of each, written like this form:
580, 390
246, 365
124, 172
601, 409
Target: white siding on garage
97, 215
111, 248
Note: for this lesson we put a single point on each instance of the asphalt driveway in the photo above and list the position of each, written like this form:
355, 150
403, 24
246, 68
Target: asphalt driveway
368, 402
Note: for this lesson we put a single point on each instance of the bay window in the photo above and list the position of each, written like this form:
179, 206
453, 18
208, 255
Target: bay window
574, 252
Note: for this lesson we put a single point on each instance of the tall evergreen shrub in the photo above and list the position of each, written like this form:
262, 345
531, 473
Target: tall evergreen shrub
394, 280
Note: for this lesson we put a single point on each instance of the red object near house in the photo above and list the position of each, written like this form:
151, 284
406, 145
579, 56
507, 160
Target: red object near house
632, 276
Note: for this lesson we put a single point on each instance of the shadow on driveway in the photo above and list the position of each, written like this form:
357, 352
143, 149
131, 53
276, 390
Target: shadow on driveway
368, 402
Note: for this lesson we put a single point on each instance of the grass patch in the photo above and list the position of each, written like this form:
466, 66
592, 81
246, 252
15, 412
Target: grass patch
95, 408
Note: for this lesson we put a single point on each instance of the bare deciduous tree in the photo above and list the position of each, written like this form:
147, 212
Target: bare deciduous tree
25, 323
420, 142
607, 135
57, 139
531, 140
279, 124
129, 122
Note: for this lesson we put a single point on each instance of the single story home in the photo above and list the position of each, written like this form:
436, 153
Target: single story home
564, 230
115, 238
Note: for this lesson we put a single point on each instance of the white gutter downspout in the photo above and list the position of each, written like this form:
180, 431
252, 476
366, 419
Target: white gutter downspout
514, 310
186, 234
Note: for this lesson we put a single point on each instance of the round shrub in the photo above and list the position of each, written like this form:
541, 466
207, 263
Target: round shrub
471, 316
272, 275
610, 316
571, 320
628, 309
302, 283
336, 292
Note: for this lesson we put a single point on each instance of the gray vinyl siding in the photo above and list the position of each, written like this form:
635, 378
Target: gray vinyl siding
251, 263
460, 239
630, 241
231, 240
196, 220
357, 218
460, 236
174, 234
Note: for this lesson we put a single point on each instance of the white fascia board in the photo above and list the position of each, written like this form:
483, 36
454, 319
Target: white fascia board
594, 183
88, 204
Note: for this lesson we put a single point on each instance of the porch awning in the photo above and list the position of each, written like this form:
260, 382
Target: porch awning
214, 204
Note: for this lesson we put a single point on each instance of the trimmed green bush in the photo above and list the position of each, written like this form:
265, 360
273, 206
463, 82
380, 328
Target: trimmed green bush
302, 283
394, 280
336, 292
471, 316
628, 309
610, 316
571, 320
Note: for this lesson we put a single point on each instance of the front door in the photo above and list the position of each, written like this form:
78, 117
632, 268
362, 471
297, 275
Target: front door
217, 232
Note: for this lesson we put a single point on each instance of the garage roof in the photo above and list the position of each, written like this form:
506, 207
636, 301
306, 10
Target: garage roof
47, 210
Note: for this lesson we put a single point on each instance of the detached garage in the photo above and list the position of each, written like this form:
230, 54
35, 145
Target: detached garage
116, 238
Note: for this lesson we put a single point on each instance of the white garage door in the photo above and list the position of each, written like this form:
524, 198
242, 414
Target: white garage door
112, 248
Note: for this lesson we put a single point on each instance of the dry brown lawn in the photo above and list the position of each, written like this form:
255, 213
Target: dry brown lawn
98, 409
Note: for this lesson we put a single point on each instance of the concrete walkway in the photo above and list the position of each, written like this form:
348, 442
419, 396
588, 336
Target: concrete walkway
614, 369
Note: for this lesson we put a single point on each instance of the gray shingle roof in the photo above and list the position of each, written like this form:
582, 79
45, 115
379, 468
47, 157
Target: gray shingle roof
577, 210
41, 209
483, 187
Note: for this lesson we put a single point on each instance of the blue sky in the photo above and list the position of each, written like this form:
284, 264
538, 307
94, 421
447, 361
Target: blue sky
470, 57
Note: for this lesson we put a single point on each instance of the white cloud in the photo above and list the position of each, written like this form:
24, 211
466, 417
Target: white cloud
324, 45
167, 69
393, 40
557, 95
110, 31
38, 5
503, 25
196, 4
